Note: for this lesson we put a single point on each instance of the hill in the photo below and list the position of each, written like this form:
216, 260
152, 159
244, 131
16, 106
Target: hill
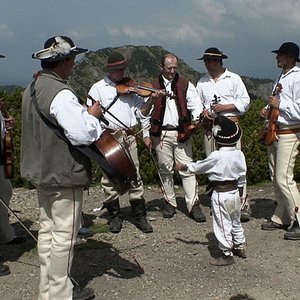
144, 66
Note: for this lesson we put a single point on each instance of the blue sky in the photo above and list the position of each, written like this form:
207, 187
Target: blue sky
245, 30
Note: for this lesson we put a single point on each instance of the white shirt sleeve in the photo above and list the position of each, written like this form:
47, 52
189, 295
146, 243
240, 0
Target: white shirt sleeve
194, 104
79, 126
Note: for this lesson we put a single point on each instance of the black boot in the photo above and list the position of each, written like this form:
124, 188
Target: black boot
197, 214
4, 270
116, 220
139, 210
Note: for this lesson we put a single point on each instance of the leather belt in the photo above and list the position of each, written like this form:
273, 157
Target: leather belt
169, 128
224, 186
287, 131
128, 131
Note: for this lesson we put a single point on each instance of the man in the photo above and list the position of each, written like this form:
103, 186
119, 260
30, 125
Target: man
7, 232
283, 152
222, 93
173, 112
121, 112
54, 166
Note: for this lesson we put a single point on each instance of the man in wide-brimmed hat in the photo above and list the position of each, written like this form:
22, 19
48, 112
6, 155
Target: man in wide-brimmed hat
226, 170
122, 111
283, 152
59, 172
222, 93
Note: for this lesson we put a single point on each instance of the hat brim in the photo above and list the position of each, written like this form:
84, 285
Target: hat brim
2, 56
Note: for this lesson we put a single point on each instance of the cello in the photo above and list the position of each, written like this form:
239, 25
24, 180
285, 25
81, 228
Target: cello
268, 136
7, 144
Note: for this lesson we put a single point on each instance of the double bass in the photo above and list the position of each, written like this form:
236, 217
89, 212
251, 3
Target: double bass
268, 136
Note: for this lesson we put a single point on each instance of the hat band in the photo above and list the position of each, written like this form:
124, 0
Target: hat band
116, 63
213, 54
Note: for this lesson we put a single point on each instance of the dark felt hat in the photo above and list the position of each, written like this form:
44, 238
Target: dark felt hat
2, 56
289, 48
225, 131
116, 61
58, 48
213, 54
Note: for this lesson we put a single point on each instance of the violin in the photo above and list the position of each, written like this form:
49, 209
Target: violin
7, 145
268, 136
145, 89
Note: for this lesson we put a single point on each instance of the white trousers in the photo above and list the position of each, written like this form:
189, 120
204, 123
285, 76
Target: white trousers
169, 152
7, 232
226, 220
282, 157
60, 215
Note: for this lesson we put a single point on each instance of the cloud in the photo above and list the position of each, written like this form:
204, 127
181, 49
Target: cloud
134, 33
5, 32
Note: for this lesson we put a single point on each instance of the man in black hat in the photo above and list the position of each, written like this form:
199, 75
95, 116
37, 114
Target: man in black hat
226, 170
222, 93
283, 152
122, 111
58, 171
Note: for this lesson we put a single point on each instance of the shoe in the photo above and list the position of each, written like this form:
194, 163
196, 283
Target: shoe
270, 225
293, 233
239, 250
197, 214
80, 293
17, 240
245, 213
168, 211
139, 209
222, 261
4, 270
84, 233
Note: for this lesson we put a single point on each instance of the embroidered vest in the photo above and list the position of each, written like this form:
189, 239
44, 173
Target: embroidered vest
179, 87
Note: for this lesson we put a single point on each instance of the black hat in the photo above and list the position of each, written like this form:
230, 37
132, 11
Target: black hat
289, 48
225, 131
213, 54
2, 56
58, 48
116, 61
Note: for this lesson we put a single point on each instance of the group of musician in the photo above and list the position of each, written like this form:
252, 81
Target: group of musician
55, 125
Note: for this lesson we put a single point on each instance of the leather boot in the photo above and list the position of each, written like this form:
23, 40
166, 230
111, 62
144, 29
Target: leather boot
116, 220
139, 210
197, 214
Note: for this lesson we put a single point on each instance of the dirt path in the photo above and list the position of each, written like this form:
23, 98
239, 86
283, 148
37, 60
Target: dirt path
171, 263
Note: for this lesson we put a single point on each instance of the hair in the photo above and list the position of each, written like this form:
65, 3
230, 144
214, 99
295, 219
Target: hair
171, 55
52, 64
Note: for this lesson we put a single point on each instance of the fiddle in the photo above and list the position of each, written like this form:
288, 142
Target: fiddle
268, 136
145, 89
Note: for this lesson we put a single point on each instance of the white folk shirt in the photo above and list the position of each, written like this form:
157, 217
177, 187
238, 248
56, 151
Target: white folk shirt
229, 89
289, 97
126, 108
80, 127
227, 163
193, 104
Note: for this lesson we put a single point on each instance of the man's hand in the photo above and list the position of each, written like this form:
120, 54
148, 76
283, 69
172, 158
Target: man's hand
148, 142
263, 113
273, 101
180, 167
95, 110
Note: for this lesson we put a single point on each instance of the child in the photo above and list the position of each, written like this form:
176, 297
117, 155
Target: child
226, 170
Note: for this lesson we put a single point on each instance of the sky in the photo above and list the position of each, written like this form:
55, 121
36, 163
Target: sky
245, 30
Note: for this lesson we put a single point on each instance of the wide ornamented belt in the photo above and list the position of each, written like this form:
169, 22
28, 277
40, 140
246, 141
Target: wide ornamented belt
288, 130
224, 186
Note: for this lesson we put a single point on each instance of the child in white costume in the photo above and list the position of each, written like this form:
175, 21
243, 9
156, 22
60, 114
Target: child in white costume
226, 169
